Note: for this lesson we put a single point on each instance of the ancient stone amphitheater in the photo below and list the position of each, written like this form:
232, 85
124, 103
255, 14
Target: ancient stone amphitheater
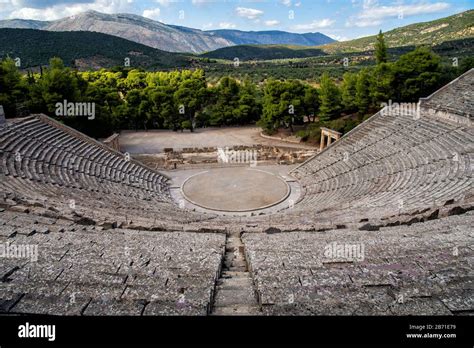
384, 225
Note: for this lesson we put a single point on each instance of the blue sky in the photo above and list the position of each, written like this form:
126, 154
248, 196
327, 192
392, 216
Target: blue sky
340, 19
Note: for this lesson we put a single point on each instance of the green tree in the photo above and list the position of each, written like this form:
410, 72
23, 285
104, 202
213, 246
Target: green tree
250, 107
270, 120
465, 64
363, 98
348, 92
13, 87
382, 84
165, 113
330, 98
102, 90
417, 74
56, 84
191, 97
292, 103
135, 116
311, 102
283, 104
224, 104
380, 49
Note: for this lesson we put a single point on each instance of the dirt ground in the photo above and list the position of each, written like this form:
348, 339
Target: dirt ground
155, 141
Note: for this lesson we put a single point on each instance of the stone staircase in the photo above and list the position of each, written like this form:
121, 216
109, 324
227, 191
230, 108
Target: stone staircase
235, 293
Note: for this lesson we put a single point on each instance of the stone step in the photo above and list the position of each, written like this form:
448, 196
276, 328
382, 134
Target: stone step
234, 289
236, 310
235, 283
230, 259
234, 274
241, 269
231, 297
238, 263
234, 245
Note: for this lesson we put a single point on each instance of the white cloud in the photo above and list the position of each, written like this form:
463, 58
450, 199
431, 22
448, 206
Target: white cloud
207, 26
226, 25
200, 2
362, 23
373, 14
286, 2
6, 7
338, 37
369, 3
404, 10
163, 2
314, 25
66, 10
271, 23
249, 13
152, 13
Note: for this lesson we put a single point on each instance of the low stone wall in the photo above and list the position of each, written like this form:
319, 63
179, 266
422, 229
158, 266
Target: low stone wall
287, 140
190, 157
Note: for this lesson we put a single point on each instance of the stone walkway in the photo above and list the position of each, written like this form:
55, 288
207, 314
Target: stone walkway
235, 294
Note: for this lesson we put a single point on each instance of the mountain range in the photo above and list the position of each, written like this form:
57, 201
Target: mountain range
79, 42
165, 37
272, 37
449, 34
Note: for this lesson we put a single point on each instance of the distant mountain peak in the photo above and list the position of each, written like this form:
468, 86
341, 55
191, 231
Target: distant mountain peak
165, 37
273, 37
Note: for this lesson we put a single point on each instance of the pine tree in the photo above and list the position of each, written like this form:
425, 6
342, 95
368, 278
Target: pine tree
13, 87
330, 98
348, 91
380, 49
363, 98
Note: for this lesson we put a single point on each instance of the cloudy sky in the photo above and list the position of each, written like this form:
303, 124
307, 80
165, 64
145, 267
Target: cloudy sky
340, 19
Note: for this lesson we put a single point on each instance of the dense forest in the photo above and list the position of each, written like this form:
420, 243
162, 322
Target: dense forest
184, 99
93, 48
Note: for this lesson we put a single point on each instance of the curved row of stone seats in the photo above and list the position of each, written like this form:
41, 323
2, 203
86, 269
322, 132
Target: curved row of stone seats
58, 267
40, 149
50, 165
454, 98
97, 208
421, 269
394, 161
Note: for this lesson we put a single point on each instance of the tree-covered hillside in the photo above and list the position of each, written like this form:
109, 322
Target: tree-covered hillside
454, 48
263, 52
83, 50
456, 27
